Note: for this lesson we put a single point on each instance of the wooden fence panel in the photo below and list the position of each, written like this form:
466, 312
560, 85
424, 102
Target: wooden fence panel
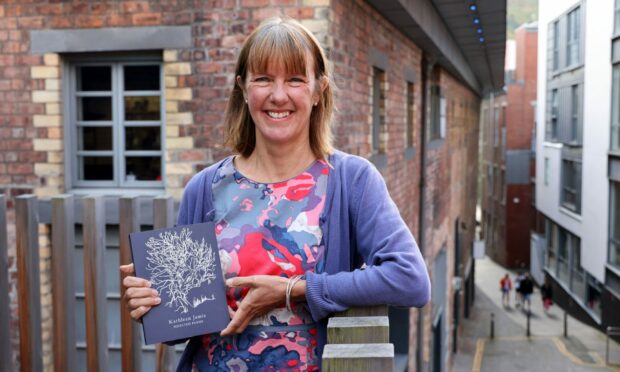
5, 311
63, 288
163, 216
95, 284
28, 283
131, 338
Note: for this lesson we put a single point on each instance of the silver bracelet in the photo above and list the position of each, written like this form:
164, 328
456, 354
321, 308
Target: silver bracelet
289, 288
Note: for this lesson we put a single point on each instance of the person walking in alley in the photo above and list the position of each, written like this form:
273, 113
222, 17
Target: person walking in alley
295, 219
518, 296
527, 288
505, 285
546, 293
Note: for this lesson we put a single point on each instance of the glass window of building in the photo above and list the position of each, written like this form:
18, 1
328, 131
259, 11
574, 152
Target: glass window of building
116, 122
573, 32
614, 225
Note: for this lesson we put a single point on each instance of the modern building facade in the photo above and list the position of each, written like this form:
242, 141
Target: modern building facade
577, 165
507, 156
127, 98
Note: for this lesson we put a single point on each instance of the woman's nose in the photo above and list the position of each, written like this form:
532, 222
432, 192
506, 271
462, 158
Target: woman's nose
278, 93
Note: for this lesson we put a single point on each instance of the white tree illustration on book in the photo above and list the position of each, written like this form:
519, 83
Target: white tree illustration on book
179, 264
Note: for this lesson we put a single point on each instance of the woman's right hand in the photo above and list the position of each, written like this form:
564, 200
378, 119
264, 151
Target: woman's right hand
139, 295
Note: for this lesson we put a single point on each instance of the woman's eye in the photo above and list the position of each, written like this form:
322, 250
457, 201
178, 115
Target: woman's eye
297, 81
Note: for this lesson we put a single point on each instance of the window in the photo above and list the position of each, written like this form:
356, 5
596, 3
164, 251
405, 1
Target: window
615, 109
617, 17
496, 129
556, 45
436, 117
577, 281
547, 170
563, 256
378, 111
594, 291
614, 224
552, 245
116, 121
553, 133
571, 185
410, 115
572, 37
574, 123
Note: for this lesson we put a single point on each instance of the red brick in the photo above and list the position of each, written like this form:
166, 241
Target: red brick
88, 21
30, 22
116, 20
100, 8
146, 19
8, 23
14, 168
300, 13
60, 22
49, 9
254, 3
135, 6
191, 155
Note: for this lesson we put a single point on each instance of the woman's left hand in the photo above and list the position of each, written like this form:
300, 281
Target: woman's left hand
266, 292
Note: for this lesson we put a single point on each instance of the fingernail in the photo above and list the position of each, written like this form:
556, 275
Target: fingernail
148, 283
155, 293
157, 300
229, 282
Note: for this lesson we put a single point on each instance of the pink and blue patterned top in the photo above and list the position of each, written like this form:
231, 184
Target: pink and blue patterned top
267, 229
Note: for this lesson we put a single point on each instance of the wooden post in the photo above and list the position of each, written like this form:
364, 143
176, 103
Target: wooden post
28, 283
163, 210
5, 334
379, 310
358, 330
95, 284
358, 357
63, 288
131, 336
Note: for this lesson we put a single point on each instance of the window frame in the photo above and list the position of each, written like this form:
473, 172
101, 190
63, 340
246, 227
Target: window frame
573, 36
556, 45
118, 123
410, 115
378, 128
575, 105
574, 188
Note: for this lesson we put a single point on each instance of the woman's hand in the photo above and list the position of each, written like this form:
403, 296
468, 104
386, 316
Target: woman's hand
266, 292
139, 295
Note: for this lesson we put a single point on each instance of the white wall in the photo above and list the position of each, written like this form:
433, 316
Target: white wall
596, 135
591, 226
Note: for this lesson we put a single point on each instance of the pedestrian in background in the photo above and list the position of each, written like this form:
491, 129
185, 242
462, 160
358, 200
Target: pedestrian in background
546, 293
526, 288
518, 295
505, 285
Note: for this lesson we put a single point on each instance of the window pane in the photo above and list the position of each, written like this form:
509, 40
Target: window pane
615, 109
94, 108
96, 168
145, 168
142, 138
94, 78
95, 138
142, 108
141, 77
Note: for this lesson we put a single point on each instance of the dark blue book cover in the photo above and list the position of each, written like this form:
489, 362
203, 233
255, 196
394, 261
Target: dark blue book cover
183, 264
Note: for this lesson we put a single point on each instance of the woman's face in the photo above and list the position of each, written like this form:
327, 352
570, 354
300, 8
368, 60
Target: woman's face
280, 104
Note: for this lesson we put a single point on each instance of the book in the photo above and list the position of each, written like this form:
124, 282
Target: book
183, 265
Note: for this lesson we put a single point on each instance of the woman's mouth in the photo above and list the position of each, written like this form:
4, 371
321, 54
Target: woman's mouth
278, 115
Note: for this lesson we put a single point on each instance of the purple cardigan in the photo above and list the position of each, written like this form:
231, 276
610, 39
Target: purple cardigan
360, 224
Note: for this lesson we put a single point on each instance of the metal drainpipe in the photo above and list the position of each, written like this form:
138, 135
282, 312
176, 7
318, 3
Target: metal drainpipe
426, 68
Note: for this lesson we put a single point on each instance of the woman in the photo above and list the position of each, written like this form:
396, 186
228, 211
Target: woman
294, 218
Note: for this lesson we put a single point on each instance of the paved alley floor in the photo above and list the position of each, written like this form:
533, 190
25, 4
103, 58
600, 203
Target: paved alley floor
511, 350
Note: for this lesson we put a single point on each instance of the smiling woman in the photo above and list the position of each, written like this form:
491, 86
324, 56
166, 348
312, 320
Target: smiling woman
294, 218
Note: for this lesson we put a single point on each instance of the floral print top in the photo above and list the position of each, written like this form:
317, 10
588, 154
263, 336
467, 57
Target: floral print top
267, 229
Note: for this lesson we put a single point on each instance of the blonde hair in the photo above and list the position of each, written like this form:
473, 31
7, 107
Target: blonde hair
285, 42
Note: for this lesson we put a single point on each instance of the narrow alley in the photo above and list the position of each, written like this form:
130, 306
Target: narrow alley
511, 350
